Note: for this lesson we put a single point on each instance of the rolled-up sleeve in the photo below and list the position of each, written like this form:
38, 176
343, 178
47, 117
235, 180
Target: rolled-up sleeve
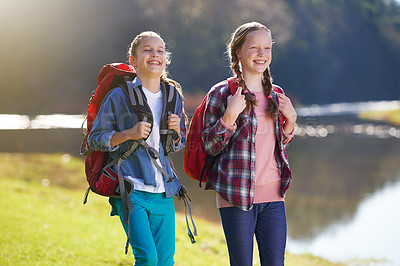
287, 137
101, 142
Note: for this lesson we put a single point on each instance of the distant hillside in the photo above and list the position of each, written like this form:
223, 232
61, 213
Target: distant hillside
325, 51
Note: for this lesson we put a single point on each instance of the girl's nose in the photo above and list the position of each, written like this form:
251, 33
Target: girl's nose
154, 53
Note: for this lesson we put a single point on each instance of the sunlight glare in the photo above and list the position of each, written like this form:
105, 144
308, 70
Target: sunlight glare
14, 122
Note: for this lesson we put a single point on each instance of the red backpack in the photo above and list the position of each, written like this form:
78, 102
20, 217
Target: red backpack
101, 177
103, 183
197, 162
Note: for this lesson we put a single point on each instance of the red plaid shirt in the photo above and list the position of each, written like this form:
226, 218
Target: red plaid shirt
233, 173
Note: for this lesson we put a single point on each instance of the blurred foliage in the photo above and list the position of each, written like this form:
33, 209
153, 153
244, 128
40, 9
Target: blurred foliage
325, 51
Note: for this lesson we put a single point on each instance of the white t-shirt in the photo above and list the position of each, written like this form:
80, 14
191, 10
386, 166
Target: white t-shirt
155, 101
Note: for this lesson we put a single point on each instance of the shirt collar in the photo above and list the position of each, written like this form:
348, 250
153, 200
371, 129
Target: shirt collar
136, 82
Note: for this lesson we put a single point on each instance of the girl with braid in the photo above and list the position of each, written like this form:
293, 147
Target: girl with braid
249, 132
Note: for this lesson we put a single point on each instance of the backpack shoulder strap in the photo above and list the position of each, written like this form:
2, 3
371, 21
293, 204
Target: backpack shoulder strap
139, 102
277, 89
233, 84
170, 96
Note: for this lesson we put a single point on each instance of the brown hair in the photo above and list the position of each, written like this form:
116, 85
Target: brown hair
235, 43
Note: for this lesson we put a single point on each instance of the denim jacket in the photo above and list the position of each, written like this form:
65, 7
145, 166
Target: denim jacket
117, 114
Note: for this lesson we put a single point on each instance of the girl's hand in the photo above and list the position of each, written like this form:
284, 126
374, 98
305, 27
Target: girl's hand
287, 109
235, 105
174, 122
139, 131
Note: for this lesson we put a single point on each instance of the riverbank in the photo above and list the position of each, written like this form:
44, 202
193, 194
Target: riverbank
45, 223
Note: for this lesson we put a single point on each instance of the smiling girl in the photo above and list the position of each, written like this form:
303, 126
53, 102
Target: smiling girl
151, 227
250, 131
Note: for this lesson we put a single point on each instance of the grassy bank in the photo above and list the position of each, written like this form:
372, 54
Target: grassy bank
392, 116
44, 222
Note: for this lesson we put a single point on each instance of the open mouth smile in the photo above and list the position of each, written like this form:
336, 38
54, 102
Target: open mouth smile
260, 62
154, 62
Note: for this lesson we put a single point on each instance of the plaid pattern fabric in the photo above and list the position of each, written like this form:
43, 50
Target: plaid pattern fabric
233, 174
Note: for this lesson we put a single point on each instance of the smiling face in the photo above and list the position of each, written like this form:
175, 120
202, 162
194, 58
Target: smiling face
256, 52
150, 57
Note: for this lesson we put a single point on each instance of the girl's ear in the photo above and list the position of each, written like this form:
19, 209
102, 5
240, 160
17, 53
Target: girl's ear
132, 60
237, 52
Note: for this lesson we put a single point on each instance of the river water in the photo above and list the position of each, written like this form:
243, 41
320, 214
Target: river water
344, 196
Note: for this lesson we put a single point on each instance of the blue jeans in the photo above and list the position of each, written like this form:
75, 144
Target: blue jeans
152, 228
267, 221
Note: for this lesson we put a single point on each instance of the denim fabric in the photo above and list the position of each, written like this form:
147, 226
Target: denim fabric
267, 221
117, 114
152, 228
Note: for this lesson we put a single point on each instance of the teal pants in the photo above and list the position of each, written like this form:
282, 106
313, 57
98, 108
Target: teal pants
152, 228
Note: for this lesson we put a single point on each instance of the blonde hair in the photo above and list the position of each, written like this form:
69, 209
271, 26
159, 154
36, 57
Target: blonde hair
235, 43
132, 48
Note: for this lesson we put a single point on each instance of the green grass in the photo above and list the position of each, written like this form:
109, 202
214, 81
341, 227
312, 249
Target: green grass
392, 116
45, 223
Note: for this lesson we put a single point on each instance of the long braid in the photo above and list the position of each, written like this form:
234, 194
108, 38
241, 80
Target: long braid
272, 106
250, 101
